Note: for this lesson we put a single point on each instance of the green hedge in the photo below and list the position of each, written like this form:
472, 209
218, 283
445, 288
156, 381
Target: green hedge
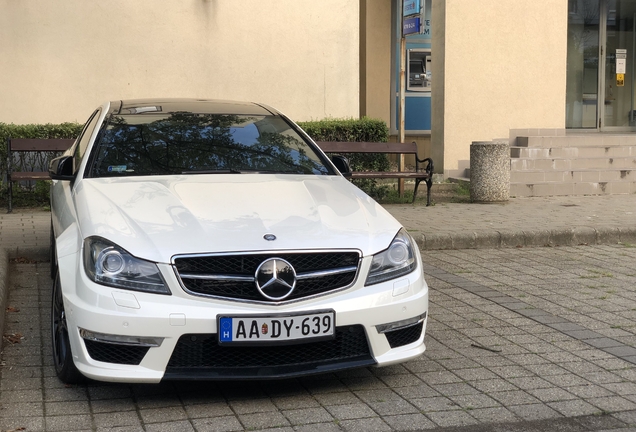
63, 130
356, 130
364, 129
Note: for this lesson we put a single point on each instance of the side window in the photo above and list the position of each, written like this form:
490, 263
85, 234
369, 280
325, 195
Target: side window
83, 140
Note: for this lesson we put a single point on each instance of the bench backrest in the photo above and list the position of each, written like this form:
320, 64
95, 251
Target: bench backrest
367, 147
39, 144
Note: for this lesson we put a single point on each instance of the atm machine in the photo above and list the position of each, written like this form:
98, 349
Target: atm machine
418, 70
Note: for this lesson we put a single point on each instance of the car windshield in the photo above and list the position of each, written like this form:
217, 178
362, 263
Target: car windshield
187, 143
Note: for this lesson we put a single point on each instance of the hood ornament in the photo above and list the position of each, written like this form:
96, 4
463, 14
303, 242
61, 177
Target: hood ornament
269, 237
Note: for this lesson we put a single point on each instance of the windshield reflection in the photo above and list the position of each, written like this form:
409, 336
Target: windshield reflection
186, 143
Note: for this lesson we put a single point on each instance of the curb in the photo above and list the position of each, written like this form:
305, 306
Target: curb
509, 238
4, 287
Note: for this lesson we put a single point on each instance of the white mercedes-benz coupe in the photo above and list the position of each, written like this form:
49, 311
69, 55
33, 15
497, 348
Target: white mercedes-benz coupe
202, 239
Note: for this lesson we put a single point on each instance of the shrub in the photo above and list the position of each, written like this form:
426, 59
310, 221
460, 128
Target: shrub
356, 130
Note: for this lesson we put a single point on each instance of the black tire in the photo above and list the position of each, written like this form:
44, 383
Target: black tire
62, 355
53, 255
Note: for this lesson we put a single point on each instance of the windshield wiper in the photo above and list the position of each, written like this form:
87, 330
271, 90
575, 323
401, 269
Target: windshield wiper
261, 171
217, 171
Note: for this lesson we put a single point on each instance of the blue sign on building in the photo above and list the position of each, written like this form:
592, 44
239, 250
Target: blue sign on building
410, 25
410, 7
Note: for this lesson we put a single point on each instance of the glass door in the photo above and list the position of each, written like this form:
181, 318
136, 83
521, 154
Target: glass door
600, 65
618, 60
583, 64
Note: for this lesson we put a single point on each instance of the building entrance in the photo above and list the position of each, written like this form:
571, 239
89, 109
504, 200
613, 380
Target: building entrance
601, 58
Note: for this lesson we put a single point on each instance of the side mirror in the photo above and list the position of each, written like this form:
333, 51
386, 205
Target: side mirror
342, 163
61, 168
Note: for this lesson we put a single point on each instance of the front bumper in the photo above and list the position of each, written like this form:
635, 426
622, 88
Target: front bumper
187, 328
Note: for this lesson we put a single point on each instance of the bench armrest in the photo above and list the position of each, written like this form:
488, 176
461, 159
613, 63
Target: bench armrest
428, 168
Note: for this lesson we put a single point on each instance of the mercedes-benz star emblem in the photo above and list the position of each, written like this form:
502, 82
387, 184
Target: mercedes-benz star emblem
275, 279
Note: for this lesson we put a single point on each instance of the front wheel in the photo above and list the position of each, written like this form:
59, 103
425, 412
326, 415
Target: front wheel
62, 355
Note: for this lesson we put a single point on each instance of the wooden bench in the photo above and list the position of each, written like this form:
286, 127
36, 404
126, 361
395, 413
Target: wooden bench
421, 173
37, 145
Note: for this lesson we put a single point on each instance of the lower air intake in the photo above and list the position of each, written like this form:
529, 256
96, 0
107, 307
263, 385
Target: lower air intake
114, 353
200, 356
404, 336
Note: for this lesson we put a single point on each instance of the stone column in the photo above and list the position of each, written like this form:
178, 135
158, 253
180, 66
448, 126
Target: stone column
490, 171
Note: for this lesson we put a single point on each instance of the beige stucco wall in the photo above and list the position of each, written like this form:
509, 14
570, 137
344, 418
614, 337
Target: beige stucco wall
504, 67
62, 58
377, 59
438, 85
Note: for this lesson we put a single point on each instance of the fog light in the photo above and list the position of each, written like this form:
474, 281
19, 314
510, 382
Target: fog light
120, 339
397, 325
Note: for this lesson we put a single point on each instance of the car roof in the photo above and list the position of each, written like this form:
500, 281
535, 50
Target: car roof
200, 106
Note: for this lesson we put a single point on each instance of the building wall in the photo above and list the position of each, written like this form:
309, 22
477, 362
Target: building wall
376, 41
504, 67
438, 83
60, 59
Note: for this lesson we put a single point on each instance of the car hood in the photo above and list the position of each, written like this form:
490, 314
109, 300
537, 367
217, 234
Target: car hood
159, 217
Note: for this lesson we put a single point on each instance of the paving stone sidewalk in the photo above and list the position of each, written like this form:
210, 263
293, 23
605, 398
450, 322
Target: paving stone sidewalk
511, 346
522, 222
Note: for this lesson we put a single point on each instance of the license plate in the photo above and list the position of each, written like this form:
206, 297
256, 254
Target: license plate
276, 329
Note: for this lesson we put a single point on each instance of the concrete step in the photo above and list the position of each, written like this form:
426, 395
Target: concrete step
573, 176
573, 152
560, 164
574, 188
547, 162
460, 180
581, 140
462, 172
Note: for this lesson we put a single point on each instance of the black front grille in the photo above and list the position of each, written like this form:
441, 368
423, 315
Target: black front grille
404, 336
246, 266
201, 355
114, 353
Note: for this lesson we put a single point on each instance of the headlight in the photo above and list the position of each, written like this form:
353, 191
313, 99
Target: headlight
397, 260
108, 264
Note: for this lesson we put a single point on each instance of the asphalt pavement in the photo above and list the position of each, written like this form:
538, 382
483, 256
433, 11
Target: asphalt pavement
519, 338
